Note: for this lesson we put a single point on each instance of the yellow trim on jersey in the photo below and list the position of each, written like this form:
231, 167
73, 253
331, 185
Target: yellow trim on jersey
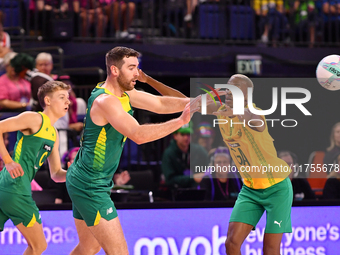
124, 100
100, 151
18, 150
33, 220
98, 217
47, 131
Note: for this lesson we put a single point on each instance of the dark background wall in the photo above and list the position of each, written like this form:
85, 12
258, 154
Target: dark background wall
198, 60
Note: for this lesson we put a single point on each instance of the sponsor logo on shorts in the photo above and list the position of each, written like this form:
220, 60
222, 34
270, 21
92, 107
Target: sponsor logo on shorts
108, 211
278, 223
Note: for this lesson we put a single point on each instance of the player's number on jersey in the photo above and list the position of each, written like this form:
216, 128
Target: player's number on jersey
240, 156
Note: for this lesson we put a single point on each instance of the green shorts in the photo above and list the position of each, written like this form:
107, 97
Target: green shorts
276, 200
19, 208
89, 203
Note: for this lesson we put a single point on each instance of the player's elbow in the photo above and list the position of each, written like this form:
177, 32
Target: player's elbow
138, 139
56, 177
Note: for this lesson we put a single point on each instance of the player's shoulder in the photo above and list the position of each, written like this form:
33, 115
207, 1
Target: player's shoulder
29, 115
32, 120
106, 103
104, 99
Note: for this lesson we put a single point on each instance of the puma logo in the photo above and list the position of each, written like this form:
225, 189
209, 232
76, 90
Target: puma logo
278, 223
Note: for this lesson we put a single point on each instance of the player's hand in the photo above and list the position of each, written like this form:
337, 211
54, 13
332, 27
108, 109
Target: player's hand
190, 109
142, 76
14, 169
123, 178
210, 100
225, 111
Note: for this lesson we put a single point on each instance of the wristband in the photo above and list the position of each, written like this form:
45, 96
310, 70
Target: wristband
7, 159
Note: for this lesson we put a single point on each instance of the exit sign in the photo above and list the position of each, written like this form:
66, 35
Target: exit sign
249, 64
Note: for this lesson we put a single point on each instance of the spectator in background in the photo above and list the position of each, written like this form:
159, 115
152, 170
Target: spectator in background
331, 17
205, 135
177, 158
5, 44
332, 185
48, 5
304, 20
191, 5
91, 14
301, 187
44, 64
15, 90
223, 183
122, 14
333, 151
271, 18
41, 12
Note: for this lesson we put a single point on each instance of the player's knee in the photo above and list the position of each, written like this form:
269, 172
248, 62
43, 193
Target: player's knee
38, 248
94, 249
81, 248
232, 246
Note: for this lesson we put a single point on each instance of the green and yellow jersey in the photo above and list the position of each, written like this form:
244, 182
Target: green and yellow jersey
254, 154
100, 147
30, 152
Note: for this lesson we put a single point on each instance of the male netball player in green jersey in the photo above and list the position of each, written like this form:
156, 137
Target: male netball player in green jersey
108, 123
36, 140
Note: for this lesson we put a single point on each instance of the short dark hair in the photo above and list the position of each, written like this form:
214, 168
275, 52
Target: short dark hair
50, 87
116, 55
22, 61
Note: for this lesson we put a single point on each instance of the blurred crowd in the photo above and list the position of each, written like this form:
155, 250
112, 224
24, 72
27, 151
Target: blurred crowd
273, 22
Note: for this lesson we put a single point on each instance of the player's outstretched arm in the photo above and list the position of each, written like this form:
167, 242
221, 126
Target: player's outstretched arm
57, 173
157, 104
164, 104
28, 122
110, 109
163, 89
